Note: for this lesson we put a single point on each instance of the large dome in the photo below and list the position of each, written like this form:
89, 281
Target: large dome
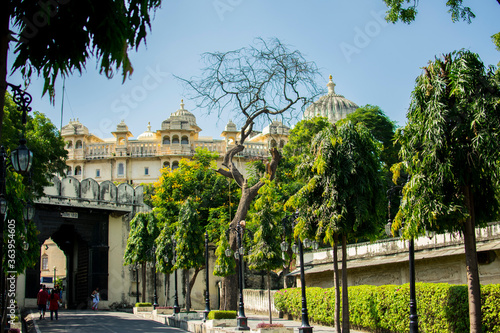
332, 106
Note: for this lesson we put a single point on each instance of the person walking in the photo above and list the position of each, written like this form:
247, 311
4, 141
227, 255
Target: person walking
54, 303
95, 298
41, 301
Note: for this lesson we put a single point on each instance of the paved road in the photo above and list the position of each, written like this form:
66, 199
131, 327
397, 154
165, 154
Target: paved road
88, 321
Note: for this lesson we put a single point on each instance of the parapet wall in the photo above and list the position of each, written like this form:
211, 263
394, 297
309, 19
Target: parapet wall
89, 192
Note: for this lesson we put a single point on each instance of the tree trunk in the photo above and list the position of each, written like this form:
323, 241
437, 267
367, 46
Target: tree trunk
4, 49
269, 297
143, 282
473, 283
345, 295
336, 282
247, 196
231, 282
190, 286
167, 288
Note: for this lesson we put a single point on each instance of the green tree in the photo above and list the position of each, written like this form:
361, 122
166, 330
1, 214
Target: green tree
254, 83
190, 248
140, 242
450, 149
55, 38
406, 11
266, 251
49, 158
184, 200
382, 129
343, 196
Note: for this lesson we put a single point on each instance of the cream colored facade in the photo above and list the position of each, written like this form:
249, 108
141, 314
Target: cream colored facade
126, 160
52, 262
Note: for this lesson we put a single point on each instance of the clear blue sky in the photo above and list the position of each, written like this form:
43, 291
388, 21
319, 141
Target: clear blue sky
372, 62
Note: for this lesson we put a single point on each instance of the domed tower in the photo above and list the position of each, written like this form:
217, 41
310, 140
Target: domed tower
230, 133
332, 106
179, 132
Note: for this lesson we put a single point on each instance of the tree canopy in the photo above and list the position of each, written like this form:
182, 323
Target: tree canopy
53, 38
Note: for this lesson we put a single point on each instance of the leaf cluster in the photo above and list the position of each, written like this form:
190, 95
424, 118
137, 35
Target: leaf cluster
58, 38
344, 190
450, 146
406, 11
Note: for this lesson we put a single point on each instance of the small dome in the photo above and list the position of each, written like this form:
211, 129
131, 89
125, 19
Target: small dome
230, 127
332, 106
148, 135
181, 115
75, 127
276, 127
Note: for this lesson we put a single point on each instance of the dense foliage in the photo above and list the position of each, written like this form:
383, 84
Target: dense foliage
441, 307
49, 158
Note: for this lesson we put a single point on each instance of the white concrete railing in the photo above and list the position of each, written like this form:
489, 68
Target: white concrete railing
256, 300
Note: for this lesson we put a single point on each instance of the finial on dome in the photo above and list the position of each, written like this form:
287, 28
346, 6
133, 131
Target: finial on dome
149, 126
182, 104
331, 86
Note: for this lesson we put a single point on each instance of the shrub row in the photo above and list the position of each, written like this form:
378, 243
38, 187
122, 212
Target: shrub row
138, 305
219, 314
441, 307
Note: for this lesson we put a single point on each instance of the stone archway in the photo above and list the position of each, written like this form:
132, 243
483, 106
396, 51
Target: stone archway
82, 234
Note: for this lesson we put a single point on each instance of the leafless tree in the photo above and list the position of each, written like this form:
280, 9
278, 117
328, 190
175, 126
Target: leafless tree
254, 84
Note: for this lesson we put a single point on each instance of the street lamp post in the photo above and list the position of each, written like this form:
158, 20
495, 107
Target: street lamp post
136, 270
242, 320
411, 254
155, 295
207, 293
55, 269
21, 160
299, 249
177, 308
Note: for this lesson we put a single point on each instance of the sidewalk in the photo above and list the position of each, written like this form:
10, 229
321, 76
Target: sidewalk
254, 320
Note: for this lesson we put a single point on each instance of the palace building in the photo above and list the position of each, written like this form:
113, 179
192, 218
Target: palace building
134, 161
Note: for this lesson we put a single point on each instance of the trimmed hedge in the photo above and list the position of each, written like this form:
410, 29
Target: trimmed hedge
218, 314
441, 307
139, 305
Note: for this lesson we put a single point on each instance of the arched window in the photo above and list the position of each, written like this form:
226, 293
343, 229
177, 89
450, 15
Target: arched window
273, 143
78, 144
78, 171
166, 164
282, 143
184, 140
121, 169
166, 140
175, 139
70, 171
70, 145
175, 165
